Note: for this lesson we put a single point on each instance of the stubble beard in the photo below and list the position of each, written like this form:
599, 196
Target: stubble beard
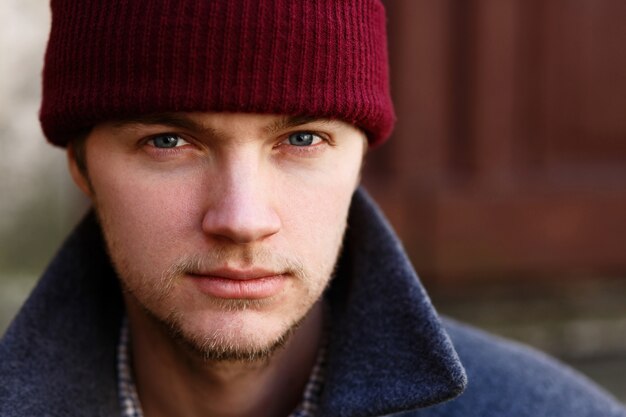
216, 346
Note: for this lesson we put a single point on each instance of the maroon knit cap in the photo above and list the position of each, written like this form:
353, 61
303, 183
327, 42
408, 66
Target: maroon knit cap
112, 59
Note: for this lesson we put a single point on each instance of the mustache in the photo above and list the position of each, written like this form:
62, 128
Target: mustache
236, 257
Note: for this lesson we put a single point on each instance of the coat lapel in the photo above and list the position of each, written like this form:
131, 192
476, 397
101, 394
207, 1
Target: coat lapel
388, 351
58, 356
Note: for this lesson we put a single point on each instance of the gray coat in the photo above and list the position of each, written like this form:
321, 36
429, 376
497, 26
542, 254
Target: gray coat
389, 351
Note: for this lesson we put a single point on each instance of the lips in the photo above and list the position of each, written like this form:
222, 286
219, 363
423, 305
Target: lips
252, 284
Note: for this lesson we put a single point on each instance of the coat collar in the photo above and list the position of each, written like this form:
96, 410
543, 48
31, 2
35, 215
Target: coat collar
387, 352
58, 356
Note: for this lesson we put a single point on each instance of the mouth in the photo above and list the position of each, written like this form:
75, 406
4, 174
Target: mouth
251, 284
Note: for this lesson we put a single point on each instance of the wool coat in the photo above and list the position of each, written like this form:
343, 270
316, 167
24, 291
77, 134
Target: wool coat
389, 352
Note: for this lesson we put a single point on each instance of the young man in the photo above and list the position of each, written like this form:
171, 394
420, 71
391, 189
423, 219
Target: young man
231, 266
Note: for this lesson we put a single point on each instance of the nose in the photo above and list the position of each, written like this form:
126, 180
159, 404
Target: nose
241, 208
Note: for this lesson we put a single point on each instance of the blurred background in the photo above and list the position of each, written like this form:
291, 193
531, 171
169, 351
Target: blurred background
505, 178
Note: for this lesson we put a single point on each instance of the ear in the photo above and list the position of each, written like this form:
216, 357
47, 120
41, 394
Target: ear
79, 177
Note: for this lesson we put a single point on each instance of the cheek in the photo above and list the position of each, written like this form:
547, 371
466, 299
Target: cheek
314, 211
142, 218
146, 207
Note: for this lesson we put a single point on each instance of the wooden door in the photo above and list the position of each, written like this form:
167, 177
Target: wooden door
509, 155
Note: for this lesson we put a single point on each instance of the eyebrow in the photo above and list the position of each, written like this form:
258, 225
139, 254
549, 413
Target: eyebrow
288, 122
182, 121
166, 119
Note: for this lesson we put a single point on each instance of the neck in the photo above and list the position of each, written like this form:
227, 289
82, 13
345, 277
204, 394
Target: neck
172, 381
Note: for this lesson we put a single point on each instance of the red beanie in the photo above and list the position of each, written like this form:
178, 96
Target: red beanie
120, 58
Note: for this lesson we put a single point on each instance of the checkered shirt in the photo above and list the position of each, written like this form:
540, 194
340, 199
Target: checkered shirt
131, 406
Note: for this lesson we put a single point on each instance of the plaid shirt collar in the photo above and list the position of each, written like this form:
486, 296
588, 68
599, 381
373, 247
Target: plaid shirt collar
129, 400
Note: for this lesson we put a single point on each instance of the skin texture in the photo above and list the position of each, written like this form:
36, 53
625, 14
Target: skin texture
188, 227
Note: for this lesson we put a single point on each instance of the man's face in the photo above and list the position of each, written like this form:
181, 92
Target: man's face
226, 227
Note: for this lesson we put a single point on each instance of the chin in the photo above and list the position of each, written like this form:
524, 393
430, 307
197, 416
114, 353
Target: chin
238, 334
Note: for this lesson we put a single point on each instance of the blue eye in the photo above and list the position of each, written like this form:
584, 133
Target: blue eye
167, 140
303, 139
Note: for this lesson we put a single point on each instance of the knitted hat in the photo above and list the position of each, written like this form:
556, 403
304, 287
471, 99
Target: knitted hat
121, 58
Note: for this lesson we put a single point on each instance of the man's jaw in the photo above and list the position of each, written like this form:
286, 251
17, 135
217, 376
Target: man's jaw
218, 346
